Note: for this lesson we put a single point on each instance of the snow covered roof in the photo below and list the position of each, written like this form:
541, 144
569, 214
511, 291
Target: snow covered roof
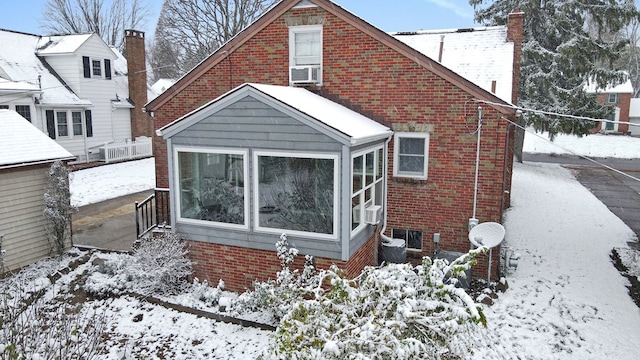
482, 55
61, 44
19, 62
624, 88
159, 87
355, 126
20, 86
21, 143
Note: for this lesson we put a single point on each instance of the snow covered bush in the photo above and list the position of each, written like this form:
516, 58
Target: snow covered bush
394, 312
57, 207
207, 294
161, 264
276, 297
158, 266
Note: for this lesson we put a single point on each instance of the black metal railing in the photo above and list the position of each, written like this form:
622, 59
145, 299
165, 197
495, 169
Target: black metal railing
152, 212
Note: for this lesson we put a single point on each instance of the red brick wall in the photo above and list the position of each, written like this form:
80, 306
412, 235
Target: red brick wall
358, 69
141, 125
238, 267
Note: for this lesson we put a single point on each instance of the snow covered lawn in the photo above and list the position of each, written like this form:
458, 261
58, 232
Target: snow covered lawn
105, 182
596, 145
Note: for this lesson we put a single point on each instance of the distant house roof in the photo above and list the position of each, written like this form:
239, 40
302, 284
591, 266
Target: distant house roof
23, 66
352, 125
18, 60
61, 44
21, 143
482, 55
624, 88
159, 87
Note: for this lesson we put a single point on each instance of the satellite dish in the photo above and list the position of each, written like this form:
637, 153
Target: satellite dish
489, 234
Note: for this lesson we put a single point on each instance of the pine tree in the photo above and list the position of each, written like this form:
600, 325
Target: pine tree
561, 56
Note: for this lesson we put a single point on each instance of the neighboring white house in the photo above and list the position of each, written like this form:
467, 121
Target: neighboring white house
634, 117
73, 88
25, 157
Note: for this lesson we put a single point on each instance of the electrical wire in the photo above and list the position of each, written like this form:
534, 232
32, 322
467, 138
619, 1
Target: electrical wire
549, 113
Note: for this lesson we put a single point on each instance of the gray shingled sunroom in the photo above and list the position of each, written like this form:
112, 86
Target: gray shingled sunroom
262, 160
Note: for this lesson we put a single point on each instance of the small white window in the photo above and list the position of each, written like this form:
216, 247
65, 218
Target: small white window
411, 155
612, 98
96, 66
305, 52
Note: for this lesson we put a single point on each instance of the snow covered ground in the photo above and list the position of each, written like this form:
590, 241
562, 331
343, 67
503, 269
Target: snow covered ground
565, 301
596, 145
104, 182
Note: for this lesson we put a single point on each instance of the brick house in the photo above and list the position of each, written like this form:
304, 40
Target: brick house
618, 97
378, 134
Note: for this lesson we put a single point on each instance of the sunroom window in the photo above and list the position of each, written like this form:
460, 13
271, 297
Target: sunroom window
367, 182
211, 186
296, 193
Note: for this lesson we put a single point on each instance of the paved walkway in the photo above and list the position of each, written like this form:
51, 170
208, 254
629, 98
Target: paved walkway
621, 194
109, 224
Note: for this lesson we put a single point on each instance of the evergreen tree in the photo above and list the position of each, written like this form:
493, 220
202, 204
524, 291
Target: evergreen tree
561, 55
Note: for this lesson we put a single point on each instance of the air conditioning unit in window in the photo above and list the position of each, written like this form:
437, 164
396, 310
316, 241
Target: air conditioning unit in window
372, 214
305, 74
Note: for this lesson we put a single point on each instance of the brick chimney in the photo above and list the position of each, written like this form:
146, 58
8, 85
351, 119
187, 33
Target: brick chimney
515, 33
134, 52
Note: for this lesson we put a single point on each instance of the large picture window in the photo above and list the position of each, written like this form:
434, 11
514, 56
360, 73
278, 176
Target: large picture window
367, 182
211, 186
296, 193
411, 155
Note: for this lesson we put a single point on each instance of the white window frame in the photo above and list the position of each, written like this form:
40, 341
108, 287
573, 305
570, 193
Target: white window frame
202, 150
67, 113
377, 178
303, 155
396, 155
612, 96
96, 69
70, 129
293, 30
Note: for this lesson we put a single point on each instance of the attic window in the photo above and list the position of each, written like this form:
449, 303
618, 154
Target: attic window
97, 68
305, 54
612, 98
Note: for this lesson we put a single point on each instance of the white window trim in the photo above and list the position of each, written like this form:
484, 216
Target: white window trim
179, 218
290, 154
396, 154
375, 150
292, 49
615, 98
70, 135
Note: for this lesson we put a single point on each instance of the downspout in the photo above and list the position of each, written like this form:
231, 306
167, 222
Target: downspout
385, 188
474, 221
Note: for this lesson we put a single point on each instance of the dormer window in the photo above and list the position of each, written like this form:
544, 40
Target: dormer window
305, 49
97, 69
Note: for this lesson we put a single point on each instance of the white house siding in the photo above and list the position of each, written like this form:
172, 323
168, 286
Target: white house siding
109, 124
120, 119
21, 215
634, 116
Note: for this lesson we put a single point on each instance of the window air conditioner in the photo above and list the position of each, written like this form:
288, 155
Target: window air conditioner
305, 74
372, 214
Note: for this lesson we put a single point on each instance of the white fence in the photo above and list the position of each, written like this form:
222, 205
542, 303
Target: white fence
140, 148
